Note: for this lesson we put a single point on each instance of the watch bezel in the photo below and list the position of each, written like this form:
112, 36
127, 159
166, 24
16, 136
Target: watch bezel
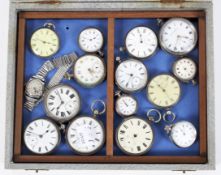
28, 83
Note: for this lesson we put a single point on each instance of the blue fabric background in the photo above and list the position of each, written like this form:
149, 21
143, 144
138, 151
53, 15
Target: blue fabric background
161, 62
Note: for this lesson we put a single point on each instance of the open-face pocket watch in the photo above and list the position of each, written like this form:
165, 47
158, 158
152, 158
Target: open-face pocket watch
163, 91
42, 136
62, 103
141, 42
131, 75
44, 41
178, 36
183, 133
91, 40
134, 136
86, 134
185, 69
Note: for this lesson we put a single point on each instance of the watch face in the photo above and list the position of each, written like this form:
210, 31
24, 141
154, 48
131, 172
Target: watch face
35, 88
126, 105
163, 90
141, 42
134, 136
184, 69
131, 75
178, 36
183, 134
41, 136
89, 70
85, 135
91, 40
44, 42
62, 103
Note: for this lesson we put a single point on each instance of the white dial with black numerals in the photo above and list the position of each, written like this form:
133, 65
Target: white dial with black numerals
85, 135
183, 134
134, 136
141, 42
163, 90
62, 103
131, 75
184, 69
41, 136
44, 42
89, 70
91, 40
178, 36
126, 105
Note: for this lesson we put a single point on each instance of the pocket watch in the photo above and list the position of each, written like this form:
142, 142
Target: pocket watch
42, 136
89, 70
178, 36
185, 69
141, 42
131, 75
62, 103
86, 134
44, 41
91, 40
125, 105
163, 91
183, 133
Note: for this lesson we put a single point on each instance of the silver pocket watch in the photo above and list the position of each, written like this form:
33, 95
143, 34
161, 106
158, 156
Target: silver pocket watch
42, 136
134, 136
44, 41
185, 70
62, 103
131, 75
86, 134
125, 105
183, 133
178, 36
141, 42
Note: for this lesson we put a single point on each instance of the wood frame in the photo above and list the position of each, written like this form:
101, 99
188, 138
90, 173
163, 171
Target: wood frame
109, 157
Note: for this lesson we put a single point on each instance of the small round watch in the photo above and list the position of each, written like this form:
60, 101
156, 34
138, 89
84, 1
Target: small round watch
125, 105
178, 36
62, 103
89, 70
44, 41
185, 69
183, 133
131, 75
42, 136
91, 40
86, 134
163, 91
141, 42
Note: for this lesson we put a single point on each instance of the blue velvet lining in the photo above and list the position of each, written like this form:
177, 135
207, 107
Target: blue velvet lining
161, 62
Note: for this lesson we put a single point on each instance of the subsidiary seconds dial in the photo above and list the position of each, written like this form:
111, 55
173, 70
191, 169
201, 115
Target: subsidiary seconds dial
141, 42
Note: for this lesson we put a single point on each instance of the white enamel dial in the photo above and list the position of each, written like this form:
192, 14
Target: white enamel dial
85, 135
126, 105
163, 90
184, 69
178, 36
131, 75
44, 42
91, 40
134, 136
62, 103
35, 88
183, 134
141, 42
89, 70
41, 136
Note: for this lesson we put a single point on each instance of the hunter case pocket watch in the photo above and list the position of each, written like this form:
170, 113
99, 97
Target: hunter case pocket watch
42, 136
86, 134
44, 41
178, 36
